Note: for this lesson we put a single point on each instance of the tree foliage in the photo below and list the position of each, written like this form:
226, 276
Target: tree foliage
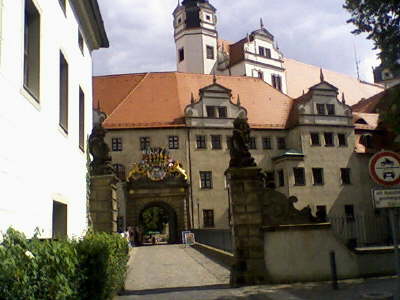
380, 19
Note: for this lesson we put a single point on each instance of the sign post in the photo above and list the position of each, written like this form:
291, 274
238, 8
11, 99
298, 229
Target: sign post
384, 168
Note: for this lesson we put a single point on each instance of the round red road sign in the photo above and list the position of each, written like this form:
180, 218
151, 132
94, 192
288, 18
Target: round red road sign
384, 168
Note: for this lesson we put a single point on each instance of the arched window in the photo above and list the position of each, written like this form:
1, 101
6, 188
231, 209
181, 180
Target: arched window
120, 171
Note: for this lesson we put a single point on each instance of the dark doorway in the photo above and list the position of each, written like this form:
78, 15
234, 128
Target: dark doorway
60, 220
158, 221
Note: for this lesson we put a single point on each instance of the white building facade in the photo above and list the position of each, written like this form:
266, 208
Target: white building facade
46, 91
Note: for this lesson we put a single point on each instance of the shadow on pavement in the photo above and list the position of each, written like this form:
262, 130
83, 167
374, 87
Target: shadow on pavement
176, 289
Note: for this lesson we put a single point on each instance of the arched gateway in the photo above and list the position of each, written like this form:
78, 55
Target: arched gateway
159, 182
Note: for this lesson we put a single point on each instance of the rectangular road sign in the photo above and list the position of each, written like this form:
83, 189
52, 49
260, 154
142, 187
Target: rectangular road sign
386, 198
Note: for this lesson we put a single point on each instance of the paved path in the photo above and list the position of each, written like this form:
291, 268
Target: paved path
172, 266
176, 273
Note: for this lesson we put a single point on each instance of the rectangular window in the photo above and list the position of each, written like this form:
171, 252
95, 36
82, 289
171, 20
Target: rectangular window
345, 175
80, 41
281, 141
211, 113
328, 136
120, 171
205, 179
210, 52
260, 75
281, 178
201, 142
116, 144
32, 50
349, 212
276, 82
342, 139
59, 220
315, 139
144, 142
299, 176
222, 112
181, 54
63, 4
320, 109
208, 217
261, 51
267, 143
318, 176
252, 143
63, 121
330, 108
81, 120
216, 142
173, 142
229, 142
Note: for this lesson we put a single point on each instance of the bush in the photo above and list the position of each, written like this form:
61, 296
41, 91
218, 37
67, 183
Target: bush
92, 268
103, 261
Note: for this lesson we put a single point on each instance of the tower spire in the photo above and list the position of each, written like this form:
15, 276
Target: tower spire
238, 100
343, 98
321, 75
261, 23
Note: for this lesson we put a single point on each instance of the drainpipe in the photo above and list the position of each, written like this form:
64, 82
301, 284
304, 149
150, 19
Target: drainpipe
191, 179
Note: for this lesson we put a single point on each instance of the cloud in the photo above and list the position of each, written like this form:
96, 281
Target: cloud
312, 31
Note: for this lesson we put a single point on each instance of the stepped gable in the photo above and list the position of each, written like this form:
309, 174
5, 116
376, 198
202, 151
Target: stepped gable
158, 100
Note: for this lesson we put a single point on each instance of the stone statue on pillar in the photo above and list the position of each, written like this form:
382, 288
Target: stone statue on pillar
101, 163
240, 154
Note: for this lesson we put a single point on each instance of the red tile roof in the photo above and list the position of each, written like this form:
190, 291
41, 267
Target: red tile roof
158, 100
301, 76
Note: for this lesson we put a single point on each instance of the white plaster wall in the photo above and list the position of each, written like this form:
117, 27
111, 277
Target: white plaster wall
38, 162
209, 64
194, 53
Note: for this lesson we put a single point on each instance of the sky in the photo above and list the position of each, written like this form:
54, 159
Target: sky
311, 31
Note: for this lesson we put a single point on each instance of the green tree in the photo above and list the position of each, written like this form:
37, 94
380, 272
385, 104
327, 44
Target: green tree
380, 19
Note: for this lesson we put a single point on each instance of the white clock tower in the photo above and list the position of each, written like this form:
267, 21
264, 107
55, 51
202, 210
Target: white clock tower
196, 36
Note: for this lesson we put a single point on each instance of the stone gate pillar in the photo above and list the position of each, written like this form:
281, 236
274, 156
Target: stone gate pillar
245, 185
103, 207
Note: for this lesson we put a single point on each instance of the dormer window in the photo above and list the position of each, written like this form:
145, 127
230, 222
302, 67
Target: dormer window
211, 113
262, 51
208, 17
222, 112
321, 109
331, 109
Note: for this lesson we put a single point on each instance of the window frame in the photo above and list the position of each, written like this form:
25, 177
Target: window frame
211, 111
63, 93
120, 171
144, 143
216, 142
32, 50
201, 141
299, 181
208, 218
206, 182
330, 109
81, 119
281, 146
253, 143
173, 142
222, 112
345, 176
321, 110
267, 143
344, 140
315, 134
315, 173
181, 54
116, 144
332, 139
210, 52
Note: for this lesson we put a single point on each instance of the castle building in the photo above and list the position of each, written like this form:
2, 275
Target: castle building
46, 90
304, 135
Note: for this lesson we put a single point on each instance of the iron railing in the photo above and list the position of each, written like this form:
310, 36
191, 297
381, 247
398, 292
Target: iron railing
362, 230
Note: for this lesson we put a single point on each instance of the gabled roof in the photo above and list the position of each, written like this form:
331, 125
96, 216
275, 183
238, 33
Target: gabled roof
376, 102
300, 76
157, 100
